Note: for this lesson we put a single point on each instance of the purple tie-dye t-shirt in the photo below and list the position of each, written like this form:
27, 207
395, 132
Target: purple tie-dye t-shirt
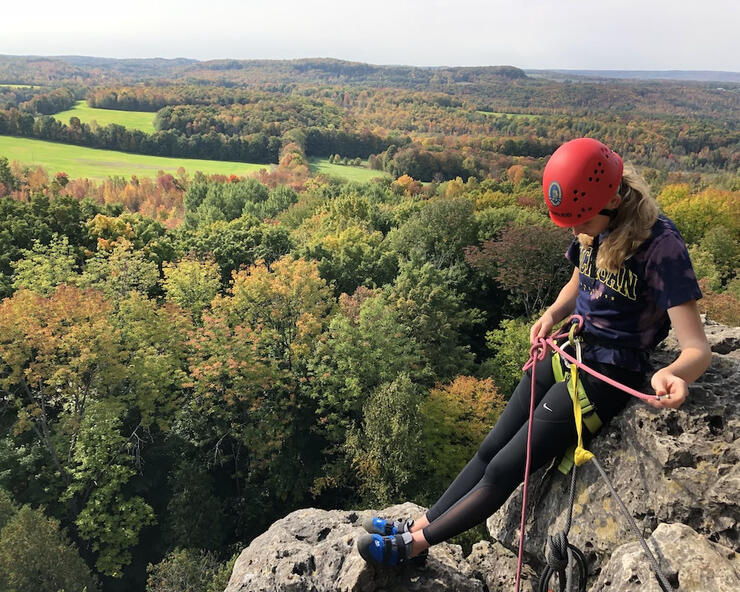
625, 313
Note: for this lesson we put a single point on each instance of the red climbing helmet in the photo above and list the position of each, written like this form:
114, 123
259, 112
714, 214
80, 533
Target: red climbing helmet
579, 179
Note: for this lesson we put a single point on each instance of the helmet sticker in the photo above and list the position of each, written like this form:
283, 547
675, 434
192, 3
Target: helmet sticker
555, 194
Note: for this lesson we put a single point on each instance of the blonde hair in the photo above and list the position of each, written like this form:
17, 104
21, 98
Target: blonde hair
635, 217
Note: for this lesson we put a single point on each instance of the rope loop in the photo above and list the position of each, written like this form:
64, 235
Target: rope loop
537, 353
557, 551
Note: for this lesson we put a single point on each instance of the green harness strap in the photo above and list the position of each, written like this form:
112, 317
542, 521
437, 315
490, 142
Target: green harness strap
588, 412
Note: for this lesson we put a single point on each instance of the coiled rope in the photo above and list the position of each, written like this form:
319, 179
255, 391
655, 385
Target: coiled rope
562, 554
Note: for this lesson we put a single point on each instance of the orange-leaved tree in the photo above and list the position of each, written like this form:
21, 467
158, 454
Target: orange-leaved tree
456, 418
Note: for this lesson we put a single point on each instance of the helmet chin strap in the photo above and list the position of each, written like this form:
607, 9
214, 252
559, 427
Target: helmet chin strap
612, 213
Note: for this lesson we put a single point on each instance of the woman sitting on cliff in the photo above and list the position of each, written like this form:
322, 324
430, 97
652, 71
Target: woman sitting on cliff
632, 280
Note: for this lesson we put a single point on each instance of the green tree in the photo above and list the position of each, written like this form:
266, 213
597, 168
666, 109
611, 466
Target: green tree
235, 244
195, 513
353, 257
120, 271
362, 351
438, 233
192, 284
704, 267
510, 346
183, 570
45, 266
385, 450
35, 555
724, 246
8, 182
437, 317
110, 519
8, 508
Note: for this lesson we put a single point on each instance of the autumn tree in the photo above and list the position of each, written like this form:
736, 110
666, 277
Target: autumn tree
85, 382
532, 271
455, 419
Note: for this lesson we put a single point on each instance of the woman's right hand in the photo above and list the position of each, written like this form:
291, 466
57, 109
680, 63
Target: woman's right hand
541, 328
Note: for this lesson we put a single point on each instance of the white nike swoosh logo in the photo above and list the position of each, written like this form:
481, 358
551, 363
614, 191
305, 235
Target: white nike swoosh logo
546, 407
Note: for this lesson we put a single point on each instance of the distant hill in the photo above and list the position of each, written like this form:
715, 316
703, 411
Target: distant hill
686, 75
52, 69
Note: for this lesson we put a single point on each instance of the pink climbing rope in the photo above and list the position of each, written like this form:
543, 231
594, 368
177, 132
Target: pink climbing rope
537, 353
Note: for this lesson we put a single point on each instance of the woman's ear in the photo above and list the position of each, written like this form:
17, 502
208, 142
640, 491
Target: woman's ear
614, 202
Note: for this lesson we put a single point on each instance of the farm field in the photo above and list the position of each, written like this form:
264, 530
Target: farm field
93, 163
140, 120
351, 173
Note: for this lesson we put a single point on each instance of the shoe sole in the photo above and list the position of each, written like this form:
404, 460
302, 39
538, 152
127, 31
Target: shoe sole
363, 546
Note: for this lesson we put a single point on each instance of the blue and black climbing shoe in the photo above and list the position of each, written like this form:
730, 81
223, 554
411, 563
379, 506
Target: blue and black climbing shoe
385, 527
385, 550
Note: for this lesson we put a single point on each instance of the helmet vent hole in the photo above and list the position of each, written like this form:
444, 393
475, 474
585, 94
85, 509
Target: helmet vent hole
610, 185
597, 179
590, 178
575, 199
589, 209
583, 194
579, 215
599, 164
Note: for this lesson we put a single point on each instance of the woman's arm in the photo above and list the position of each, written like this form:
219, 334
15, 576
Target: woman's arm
564, 305
694, 359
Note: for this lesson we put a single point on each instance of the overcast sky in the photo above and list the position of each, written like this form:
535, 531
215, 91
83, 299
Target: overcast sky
578, 34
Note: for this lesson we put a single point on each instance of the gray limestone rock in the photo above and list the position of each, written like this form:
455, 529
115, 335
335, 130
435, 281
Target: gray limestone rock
314, 551
688, 560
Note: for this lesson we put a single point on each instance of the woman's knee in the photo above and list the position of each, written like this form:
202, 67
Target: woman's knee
505, 475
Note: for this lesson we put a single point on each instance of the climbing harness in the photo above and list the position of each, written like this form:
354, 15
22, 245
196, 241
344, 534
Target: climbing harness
562, 556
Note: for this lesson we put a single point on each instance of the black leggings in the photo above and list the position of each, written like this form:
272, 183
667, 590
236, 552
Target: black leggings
496, 470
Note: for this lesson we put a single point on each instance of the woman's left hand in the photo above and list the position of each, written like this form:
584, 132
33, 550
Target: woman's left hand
672, 389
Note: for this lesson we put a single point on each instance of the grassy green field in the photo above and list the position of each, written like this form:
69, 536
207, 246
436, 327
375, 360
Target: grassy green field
351, 173
78, 161
139, 120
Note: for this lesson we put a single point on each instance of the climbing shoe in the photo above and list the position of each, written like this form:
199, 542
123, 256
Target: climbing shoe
385, 550
385, 527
